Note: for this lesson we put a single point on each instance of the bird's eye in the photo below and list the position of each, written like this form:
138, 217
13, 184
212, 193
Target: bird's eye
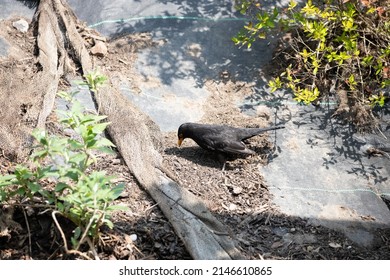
181, 135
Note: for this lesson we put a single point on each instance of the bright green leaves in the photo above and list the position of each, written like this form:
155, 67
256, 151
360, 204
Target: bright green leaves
95, 80
310, 10
292, 5
377, 100
339, 57
347, 18
351, 82
275, 84
311, 61
316, 30
306, 96
257, 29
335, 42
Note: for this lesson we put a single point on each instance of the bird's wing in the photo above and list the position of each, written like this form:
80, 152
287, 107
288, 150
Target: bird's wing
228, 146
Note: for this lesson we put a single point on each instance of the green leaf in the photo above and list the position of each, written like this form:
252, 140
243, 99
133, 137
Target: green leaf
109, 223
306, 95
275, 84
39, 154
348, 25
309, 9
34, 187
61, 186
377, 100
117, 207
78, 158
77, 233
305, 54
7, 180
117, 191
99, 128
292, 5
40, 136
104, 142
351, 82
22, 173
21, 191
75, 144
72, 174
60, 207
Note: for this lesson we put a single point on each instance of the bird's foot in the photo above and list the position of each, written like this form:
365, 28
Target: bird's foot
223, 167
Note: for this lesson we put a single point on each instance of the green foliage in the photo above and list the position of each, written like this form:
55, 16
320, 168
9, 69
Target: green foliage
344, 43
95, 80
61, 173
377, 100
306, 95
265, 22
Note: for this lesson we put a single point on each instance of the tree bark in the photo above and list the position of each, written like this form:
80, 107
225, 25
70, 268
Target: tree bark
135, 134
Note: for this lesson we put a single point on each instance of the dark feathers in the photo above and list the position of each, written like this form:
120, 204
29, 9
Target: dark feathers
220, 138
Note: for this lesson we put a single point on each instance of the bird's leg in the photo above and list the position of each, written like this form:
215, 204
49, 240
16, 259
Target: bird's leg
222, 159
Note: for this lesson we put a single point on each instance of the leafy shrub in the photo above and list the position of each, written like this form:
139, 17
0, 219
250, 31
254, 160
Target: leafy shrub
334, 46
60, 175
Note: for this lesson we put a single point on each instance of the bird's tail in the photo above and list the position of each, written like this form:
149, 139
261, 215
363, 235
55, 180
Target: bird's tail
271, 128
250, 132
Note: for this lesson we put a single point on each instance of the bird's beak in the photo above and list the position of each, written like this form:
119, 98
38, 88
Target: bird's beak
180, 141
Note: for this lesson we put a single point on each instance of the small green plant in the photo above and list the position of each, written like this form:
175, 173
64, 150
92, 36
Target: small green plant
377, 100
95, 80
344, 44
61, 175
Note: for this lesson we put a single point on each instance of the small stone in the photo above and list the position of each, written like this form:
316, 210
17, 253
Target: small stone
237, 190
133, 237
116, 161
21, 25
130, 238
232, 207
99, 49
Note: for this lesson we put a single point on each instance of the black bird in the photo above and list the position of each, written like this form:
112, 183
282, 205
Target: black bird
220, 138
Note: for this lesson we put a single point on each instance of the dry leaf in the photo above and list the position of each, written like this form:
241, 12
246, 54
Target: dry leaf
277, 244
334, 245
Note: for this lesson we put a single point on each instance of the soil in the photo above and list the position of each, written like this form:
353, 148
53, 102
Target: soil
238, 196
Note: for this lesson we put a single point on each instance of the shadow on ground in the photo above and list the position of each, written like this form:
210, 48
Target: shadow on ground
262, 235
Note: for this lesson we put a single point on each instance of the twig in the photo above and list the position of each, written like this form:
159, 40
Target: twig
53, 214
124, 62
268, 218
86, 238
29, 232
85, 231
54, 253
91, 245
149, 209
